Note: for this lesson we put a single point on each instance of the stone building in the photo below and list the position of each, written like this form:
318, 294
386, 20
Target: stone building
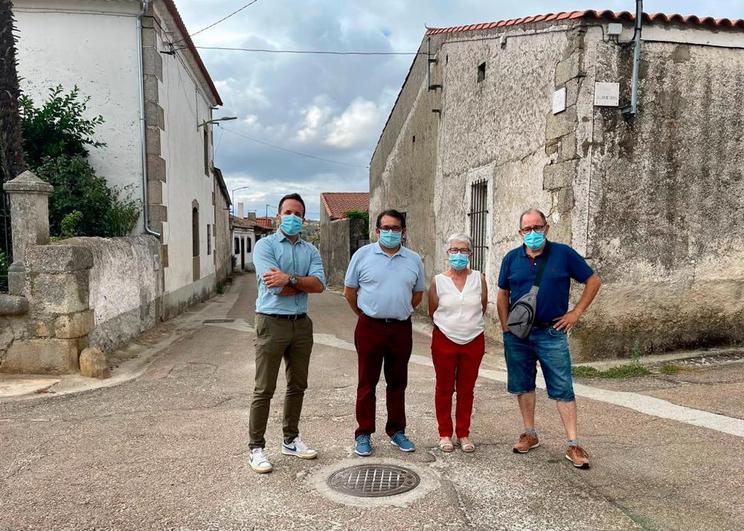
143, 74
499, 117
244, 239
221, 233
340, 236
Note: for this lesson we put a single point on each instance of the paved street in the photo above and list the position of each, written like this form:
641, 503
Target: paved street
169, 448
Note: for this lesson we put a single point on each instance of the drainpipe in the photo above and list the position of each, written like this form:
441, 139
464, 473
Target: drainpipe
143, 142
636, 57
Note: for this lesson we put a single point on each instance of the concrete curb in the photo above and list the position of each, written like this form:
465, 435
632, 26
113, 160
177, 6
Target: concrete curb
183, 325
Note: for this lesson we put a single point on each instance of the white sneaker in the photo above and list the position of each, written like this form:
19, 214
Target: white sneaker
259, 462
298, 448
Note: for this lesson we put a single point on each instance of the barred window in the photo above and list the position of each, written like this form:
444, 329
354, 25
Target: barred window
478, 223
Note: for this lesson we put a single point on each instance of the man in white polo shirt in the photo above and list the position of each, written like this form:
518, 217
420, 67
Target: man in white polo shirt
384, 284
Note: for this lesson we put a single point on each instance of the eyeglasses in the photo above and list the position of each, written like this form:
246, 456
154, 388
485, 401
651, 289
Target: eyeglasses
394, 229
455, 250
536, 228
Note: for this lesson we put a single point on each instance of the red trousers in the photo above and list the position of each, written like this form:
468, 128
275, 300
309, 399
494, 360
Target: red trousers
381, 344
456, 367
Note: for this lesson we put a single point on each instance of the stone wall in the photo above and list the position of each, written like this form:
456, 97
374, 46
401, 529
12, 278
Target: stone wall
666, 203
125, 287
655, 202
334, 249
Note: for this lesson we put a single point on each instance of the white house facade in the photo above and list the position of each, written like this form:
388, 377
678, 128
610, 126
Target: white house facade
136, 62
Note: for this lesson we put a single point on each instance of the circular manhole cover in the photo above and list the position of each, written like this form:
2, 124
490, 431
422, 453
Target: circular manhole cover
373, 480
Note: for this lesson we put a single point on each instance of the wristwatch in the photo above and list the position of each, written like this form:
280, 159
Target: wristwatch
292, 280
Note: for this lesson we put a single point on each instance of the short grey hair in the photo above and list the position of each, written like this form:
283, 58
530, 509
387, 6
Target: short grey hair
532, 211
460, 237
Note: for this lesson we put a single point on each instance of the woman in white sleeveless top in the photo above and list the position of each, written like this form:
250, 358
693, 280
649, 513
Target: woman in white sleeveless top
457, 302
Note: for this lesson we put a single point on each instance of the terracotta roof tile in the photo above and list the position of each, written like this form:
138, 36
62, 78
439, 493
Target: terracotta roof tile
266, 223
337, 204
659, 18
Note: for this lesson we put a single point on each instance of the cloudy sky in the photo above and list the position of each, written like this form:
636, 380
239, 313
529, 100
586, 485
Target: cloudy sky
334, 107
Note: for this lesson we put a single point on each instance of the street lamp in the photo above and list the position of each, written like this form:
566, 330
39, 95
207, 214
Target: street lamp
233, 196
210, 122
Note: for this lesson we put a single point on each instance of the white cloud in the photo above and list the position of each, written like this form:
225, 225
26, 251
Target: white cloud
315, 119
356, 126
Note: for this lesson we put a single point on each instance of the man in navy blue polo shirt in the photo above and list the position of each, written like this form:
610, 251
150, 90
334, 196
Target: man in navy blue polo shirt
547, 342
384, 284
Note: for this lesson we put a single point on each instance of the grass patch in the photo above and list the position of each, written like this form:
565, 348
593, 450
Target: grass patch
669, 368
629, 370
582, 371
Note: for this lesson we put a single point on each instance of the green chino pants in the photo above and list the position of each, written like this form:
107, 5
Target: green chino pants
277, 339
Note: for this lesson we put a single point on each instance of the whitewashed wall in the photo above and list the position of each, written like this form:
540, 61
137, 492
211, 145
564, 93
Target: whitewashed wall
182, 146
92, 45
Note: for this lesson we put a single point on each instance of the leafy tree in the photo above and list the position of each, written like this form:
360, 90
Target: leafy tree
359, 214
56, 140
11, 152
82, 203
58, 127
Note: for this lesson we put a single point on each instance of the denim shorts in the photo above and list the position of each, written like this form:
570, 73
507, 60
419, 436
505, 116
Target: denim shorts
548, 346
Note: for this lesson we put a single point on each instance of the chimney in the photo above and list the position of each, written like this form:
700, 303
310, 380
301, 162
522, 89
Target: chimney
241, 212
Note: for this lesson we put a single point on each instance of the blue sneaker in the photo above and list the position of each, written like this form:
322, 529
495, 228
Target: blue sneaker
401, 441
363, 445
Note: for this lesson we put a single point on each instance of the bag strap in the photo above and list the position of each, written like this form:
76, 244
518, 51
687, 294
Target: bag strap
541, 268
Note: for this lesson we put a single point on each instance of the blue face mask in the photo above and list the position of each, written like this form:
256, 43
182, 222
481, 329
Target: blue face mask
291, 224
458, 261
534, 240
390, 238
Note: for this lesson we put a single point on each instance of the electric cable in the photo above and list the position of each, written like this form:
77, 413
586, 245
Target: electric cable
221, 20
241, 135
305, 52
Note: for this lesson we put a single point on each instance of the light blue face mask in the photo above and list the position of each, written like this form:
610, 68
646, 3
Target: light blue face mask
534, 240
390, 239
458, 261
291, 224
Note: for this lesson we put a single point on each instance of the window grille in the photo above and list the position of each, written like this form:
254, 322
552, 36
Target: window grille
478, 223
209, 239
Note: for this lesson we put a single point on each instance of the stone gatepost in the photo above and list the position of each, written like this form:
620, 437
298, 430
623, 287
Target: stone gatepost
60, 318
29, 217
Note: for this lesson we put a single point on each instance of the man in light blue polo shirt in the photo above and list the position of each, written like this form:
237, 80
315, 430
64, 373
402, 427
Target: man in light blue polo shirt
287, 269
384, 284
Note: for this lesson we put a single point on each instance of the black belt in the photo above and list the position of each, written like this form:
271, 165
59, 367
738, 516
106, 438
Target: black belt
293, 317
543, 324
386, 320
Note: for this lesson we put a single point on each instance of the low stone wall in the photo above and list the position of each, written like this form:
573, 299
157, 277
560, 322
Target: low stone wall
334, 249
125, 287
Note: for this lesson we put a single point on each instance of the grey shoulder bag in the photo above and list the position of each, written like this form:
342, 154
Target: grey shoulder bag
522, 312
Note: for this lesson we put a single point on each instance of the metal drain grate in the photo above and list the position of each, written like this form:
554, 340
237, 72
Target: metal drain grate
215, 321
373, 481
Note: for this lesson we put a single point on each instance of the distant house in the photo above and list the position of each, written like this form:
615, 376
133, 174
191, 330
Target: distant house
340, 236
221, 232
144, 76
245, 233
498, 117
266, 223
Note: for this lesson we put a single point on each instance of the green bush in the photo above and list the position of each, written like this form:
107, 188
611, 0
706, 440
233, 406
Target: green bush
358, 214
58, 127
70, 225
57, 136
104, 211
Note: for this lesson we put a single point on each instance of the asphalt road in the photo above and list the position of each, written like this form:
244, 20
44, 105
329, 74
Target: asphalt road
169, 448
